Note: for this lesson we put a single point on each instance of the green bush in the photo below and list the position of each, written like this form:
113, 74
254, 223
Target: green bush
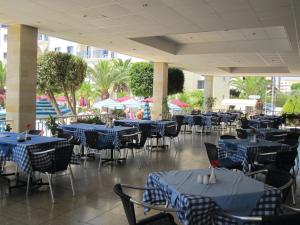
141, 79
195, 98
292, 105
175, 80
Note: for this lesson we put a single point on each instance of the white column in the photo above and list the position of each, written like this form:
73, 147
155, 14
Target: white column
160, 88
217, 87
21, 76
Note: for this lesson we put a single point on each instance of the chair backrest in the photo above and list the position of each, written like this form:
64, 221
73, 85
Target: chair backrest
35, 132
92, 139
276, 137
198, 120
146, 132
171, 130
227, 136
292, 136
67, 136
212, 154
57, 131
62, 158
244, 122
281, 180
286, 159
292, 219
179, 119
53, 160
242, 134
127, 204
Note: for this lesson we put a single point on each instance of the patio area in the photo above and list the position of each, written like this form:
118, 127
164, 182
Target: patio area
95, 203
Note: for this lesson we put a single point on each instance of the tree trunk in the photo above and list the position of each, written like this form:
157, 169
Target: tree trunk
54, 103
73, 99
68, 99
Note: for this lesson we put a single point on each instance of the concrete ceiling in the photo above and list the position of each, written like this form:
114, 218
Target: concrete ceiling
211, 37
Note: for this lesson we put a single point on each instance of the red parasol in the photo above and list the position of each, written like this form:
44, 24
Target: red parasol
180, 103
148, 100
125, 98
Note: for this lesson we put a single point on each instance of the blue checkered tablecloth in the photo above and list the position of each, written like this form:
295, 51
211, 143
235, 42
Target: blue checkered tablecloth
199, 210
191, 120
264, 133
258, 123
18, 152
242, 150
160, 124
114, 133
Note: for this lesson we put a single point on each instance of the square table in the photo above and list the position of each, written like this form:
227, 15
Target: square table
233, 192
161, 124
264, 133
112, 139
18, 152
242, 150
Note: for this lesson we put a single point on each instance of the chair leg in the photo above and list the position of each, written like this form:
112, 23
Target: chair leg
293, 195
100, 162
71, 180
87, 152
28, 184
50, 186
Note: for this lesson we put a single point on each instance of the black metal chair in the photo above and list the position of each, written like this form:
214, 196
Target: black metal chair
172, 132
51, 162
93, 145
279, 179
164, 218
285, 219
292, 136
35, 132
241, 133
244, 123
212, 153
227, 136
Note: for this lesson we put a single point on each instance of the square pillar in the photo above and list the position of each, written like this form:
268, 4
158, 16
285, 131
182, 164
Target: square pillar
21, 76
160, 89
217, 87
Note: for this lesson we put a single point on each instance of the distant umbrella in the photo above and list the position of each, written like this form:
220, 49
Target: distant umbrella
148, 100
180, 103
131, 103
108, 103
174, 107
122, 99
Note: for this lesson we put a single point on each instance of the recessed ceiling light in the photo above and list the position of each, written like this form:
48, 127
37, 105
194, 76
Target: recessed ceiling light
110, 42
84, 16
253, 33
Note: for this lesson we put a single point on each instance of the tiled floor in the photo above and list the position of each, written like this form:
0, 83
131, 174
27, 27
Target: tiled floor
95, 203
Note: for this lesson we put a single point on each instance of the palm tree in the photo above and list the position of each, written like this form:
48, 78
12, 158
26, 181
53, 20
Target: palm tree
122, 67
105, 75
250, 86
86, 90
2, 75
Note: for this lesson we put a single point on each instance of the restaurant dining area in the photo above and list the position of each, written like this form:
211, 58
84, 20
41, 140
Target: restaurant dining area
149, 112
192, 169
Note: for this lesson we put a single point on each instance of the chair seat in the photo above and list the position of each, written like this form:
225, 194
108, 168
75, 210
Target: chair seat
158, 219
229, 164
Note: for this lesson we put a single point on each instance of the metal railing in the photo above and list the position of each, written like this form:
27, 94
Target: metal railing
40, 124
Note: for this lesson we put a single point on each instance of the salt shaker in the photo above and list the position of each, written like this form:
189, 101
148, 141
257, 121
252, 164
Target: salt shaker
205, 179
200, 179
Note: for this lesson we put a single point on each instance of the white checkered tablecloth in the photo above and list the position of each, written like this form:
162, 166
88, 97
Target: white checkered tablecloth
242, 152
114, 133
19, 153
200, 210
